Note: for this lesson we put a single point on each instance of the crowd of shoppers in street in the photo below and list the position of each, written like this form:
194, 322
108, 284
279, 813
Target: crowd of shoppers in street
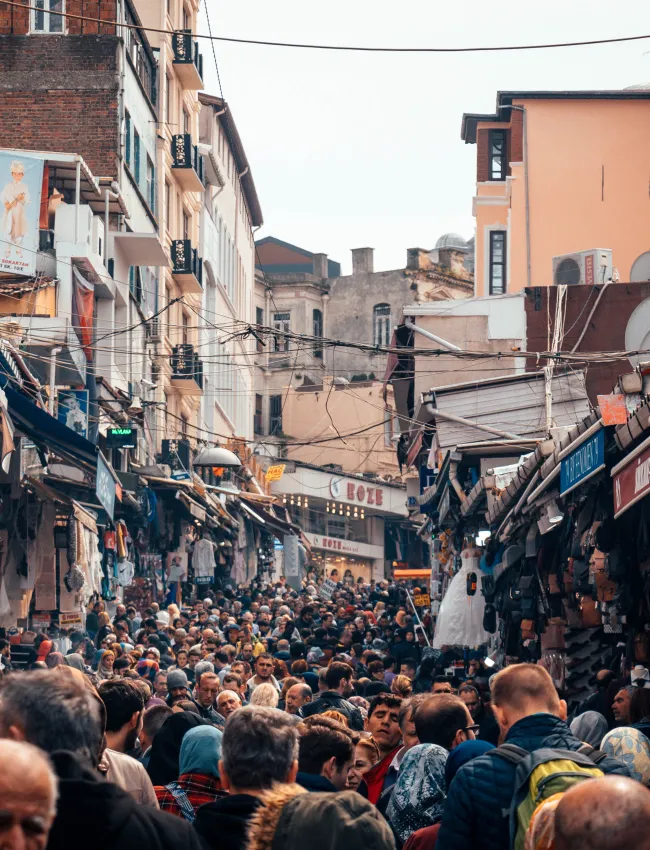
265, 718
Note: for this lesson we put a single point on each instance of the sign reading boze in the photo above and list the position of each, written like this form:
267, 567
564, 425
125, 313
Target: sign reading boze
631, 481
351, 491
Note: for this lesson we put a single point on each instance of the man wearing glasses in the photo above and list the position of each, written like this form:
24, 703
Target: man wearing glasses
445, 720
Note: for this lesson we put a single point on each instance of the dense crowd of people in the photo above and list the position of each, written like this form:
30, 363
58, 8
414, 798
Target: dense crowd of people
265, 718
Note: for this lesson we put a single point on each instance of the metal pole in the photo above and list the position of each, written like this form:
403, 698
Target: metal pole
424, 631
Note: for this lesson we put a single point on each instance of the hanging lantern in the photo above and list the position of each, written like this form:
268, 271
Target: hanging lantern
340, 510
472, 583
327, 508
291, 500
284, 499
306, 502
356, 512
299, 502
363, 513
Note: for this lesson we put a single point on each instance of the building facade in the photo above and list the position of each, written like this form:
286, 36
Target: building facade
553, 172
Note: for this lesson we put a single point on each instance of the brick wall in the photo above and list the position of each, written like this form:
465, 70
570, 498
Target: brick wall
516, 136
15, 21
482, 155
60, 92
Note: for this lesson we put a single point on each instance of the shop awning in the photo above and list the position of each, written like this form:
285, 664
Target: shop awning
50, 494
48, 432
477, 496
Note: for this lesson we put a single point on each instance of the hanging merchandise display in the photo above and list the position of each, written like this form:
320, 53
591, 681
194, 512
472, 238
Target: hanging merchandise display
203, 554
460, 620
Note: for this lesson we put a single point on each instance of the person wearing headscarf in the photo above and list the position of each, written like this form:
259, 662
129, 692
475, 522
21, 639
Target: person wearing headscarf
44, 649
165, 751
54, 659
105, 666
632, 748
76, 661
590, 727
199, 781
420, 792
148, 669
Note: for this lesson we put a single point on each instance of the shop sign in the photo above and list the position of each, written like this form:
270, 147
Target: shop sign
356, 492
327, 588
71, 621
72, 410
345, 547
631, 482
583, 462
21, 183
613, 409
121, 438
105, 485
422, 600
275, 473
41, 621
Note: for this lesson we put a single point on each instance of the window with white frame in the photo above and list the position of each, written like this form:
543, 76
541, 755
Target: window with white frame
282, 324
497, 262
381, 324
43, 19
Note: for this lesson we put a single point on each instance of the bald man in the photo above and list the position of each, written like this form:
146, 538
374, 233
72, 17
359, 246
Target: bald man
612, 813
28, 792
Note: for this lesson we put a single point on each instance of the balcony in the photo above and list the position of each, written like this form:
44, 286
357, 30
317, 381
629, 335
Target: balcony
188, 62
187, 163
187, 267
187, 370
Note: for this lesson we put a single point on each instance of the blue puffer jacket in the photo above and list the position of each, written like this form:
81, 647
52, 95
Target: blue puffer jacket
478, 801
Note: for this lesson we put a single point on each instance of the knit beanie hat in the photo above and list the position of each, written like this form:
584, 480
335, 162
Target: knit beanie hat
176, 679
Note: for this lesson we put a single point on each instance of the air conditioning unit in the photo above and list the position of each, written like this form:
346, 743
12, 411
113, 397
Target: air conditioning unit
152, 329
588, 267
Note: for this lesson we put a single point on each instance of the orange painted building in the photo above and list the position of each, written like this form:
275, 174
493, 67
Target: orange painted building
559, 173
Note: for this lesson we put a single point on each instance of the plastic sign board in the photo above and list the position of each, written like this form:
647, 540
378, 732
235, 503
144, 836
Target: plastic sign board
422, 600
584, 461
327, 589
631, 481
21, 183
105, 486
275, 473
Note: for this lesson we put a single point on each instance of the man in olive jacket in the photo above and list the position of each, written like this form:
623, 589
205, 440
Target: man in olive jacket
531, 716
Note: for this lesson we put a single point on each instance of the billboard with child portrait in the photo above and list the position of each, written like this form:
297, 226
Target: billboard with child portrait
21, 180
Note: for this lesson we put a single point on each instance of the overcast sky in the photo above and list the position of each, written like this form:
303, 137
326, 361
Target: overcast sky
351, 149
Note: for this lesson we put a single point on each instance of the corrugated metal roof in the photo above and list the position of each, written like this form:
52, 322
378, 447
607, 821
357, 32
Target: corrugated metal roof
517, 406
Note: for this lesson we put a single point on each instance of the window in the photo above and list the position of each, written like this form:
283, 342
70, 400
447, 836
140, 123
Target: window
187, 20
259, 320
186, 122
151, 185
381, 324
282, 324
168, 100
184, 425
168, 206
43, 21
275, 415
318, 333
498, 146
127, 139
135, 283
186, 225
136, 156
257, 421
185, 328
167, 313
497, 262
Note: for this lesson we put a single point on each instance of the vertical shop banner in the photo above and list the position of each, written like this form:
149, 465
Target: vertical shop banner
21, 179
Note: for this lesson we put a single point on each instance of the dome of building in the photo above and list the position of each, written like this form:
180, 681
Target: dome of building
452, 240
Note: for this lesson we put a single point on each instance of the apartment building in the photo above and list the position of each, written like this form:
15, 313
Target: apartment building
230, 214
554, 170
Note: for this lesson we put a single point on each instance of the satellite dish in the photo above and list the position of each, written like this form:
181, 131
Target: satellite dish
637, 332
641, 269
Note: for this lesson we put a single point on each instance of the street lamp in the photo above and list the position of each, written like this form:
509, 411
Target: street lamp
216, 456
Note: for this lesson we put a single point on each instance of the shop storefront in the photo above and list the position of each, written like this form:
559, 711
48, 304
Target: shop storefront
344, 517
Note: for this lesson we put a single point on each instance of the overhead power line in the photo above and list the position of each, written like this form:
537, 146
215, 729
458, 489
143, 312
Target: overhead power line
344, 47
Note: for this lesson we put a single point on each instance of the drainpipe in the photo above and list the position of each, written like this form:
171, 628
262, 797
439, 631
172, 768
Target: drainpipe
453, 480
77, 201
50, 402
443, 342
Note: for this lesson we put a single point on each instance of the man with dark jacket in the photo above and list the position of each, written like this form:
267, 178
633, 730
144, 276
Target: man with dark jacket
338, 679
62, 716
259, 749
531, 716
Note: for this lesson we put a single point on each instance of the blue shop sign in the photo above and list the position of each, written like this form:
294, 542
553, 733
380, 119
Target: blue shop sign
583, 462
105, 485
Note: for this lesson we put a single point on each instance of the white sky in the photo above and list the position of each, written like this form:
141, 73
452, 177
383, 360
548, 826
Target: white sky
351, 149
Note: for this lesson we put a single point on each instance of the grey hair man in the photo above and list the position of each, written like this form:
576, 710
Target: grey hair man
28, 787
63, 716
259, 749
